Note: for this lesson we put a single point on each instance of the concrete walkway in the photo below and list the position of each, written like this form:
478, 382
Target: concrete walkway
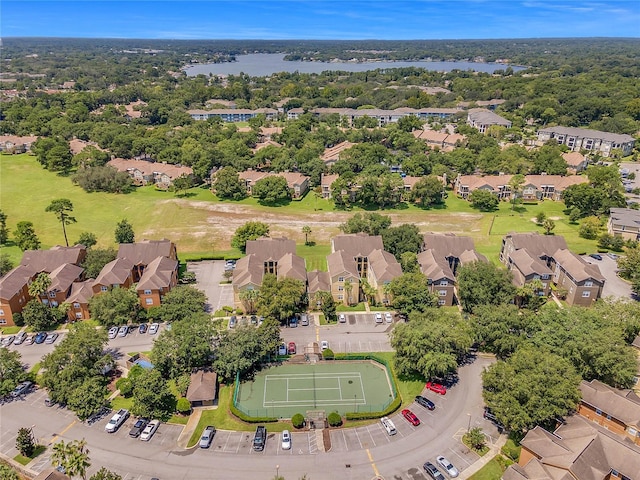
486, 458
190, 427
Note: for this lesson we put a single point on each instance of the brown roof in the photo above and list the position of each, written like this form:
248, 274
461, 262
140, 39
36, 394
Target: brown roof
341, 262
529, 264
269, 143
130, 109
577, 267
318, 281
536, 244
81, 292
63, 276
149, 168
328, 179
49, 260
431, 136
15, 140
357, 244
270, 248
450, 245
623, 405
202, 386
434, 267
332, 154
268, 131
76, 145
115, 272
15, 280
573, 159
495, 181
51, 474
145, 251
292, 178
250, 268
384, 266
158, 274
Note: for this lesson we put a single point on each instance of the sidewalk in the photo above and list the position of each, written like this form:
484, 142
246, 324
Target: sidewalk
482, 461
190, 427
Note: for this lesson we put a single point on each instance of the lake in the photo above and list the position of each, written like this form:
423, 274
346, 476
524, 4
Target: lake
264, 64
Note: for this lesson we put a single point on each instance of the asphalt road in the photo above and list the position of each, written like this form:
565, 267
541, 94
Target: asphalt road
614, 286
357, 453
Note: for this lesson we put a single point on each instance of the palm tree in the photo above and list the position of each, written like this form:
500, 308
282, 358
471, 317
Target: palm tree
248, 299
348, 288
307, 231
39, 285
61, 207
72, 456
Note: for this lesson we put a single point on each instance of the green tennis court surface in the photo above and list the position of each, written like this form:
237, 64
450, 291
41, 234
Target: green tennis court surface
349, 386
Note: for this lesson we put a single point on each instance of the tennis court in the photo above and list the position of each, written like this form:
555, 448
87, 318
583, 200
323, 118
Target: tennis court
347, 386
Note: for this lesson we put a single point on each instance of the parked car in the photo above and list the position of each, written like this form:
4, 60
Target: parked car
596, 256
207, 436
260, 438
304, 319
612, 256
113, 332
48, 402
324, 345
30, 339
425, 402
291, 348
342, 318
149, 430
282, 349
388, 317
286, 440
6, 341
20, 338
378, 317
433, 472
123, 331
388, 425
293, 323
52, 337
40, 337
21, 389
448, 466
153, 328
232, 321
254, 320
143, 328
117, 420
436, 387
488, 414
138, 427
167, 326
411, 417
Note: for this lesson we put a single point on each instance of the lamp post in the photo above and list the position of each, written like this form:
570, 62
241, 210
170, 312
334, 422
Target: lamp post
277, 472
469, 424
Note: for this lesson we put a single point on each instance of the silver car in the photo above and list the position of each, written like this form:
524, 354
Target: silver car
207, 436
448, 466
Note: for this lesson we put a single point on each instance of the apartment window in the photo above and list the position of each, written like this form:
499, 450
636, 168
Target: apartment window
442, 293
52, 294
78, 315
544, 285
608, 417
76, 305
586, 294
614, 473
103, 288
545, 276
45, 301
598, 411
536, 277
149, 301
442, 302
444, 283
147, 292
116, 285
1, 312
341, 279
588, 284
340, 297
632, 431
3, 321
340, 288
54, 303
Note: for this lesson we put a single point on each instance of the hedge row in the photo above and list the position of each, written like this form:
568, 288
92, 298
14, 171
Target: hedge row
393, 406
248, 419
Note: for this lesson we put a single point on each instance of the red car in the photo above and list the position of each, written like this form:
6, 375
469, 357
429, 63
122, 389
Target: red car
411, 417
436, 387
292, 348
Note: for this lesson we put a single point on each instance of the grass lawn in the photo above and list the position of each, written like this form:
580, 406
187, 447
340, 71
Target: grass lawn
22, 460
10, 330
408, 387
323, 320
358, 307
491, 471
315, 256
222, 418
121, 402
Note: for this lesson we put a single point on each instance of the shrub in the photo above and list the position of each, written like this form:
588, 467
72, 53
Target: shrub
183, 406
511, 450
297, 420
125, 385
328, 354
335, 420
248, 419
18, 320
393, 406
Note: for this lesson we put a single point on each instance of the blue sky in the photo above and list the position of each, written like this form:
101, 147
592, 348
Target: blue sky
320, 19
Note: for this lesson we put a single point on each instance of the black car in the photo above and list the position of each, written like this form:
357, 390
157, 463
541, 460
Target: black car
41, 337
425, 402
138, 427
596, 256
433, 472
142, 328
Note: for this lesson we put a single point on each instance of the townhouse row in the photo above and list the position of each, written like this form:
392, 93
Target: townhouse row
150, 266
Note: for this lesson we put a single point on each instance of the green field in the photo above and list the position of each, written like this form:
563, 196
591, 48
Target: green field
202, 225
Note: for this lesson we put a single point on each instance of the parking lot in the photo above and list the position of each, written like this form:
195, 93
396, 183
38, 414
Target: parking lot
302, 443
209, 274
614, 286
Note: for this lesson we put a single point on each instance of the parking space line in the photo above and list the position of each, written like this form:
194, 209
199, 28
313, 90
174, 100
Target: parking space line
345, 440
460, 456
358, 437
372, 439
224, 449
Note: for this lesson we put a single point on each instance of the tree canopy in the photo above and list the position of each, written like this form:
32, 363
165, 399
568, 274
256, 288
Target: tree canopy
249, 231
481, 283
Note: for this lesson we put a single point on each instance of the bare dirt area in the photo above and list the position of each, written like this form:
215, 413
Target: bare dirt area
216, 223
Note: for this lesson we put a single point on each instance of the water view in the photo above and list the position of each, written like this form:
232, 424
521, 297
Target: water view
263, 64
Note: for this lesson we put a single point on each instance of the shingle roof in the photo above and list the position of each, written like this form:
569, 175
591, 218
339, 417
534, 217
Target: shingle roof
536, 244
328, 179
250, 268
332, 154
149, 168
341, 262
318, 281
115, 272
158, 274
49, 260
145, 251
81, 292
450, 245
270, 248
435, 267
384, 265
63, 276
624, 405
487, 117
357, 244
202, 386
575, 266
14, 281
529, 264
573, 159
586, 133
625, 217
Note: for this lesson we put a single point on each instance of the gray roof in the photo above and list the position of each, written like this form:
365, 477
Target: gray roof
537, 244
144, 252
202, 386
158, 274
529, 264
250, 268
450, 245
318, 281
357, 244
625, 217
435, 267
341, 262
49, 260
586, 133
575, 266
270, 248
487, 117
384, 266
63, 276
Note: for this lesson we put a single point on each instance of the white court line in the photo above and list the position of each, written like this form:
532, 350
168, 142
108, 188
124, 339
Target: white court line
364, 397
311, 389
310, 375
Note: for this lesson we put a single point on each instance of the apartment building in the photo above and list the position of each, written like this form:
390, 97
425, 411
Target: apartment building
144, 172
535, 187
298, 183
383, 117
15, 144
233, 115
481, 119
584, 139
624, 222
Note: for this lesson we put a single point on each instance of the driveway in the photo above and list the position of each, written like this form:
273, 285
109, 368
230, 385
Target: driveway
209, 274
614, 286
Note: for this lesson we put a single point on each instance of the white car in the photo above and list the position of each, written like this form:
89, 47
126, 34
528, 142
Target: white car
388, 317
123, 331
149, 430
378, 317
448, 466
153, 329
342, 318
117, 420
324, 345
286, 440
113, 332
282, 349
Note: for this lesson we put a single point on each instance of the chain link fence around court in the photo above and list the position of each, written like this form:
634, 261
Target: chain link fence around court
285, 408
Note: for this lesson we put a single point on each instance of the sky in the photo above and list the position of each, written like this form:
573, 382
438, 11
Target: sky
320, 19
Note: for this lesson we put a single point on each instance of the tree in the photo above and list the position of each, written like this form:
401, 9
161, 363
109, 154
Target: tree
152, 397
117, 306
548, 226
8, 473
483, 200
327, 305
181, 303
103, 179
72, 456
409, 262
629, 266
11, 371
249, 299
306, 230
481, 283
401, 239
370, 223
540, 218
25, 236
501, 329
476, 438
87, 239
124, 232
25, 443
96, 259
428, 191
431, 343
182, 184
4, 231
183, 406
104, 474
410, 292
590, 228
40, 316
5, 263
531, 387
516, 183
61, 208
40, 285
280, 299
271, 189
227, 184
249, 231
239, 350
